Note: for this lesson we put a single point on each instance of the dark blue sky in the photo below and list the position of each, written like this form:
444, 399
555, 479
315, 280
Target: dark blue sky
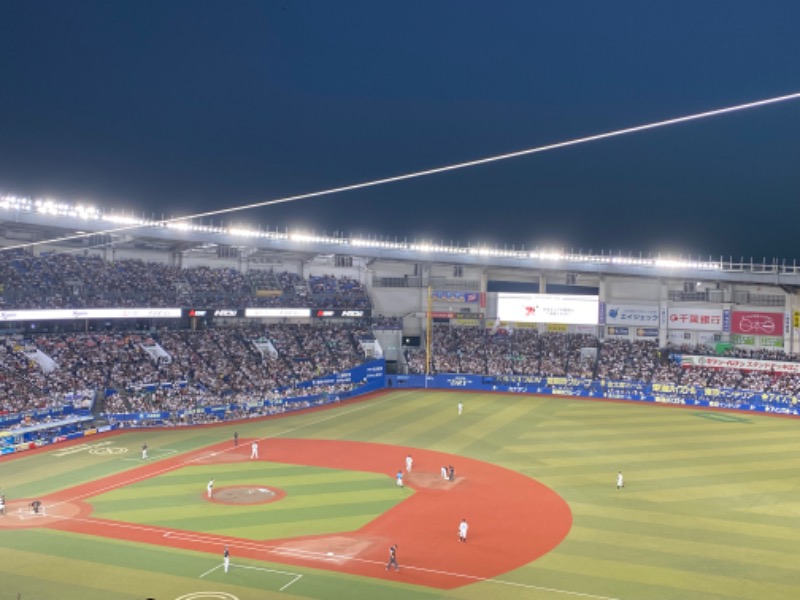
188, 106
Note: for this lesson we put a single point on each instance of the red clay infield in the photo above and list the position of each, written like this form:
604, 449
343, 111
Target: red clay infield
513, 519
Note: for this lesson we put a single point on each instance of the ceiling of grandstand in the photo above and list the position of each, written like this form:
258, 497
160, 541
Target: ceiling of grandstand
189, 106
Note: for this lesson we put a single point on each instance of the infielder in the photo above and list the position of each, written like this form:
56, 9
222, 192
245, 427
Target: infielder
463, 527
409, 463
254, 451
444, 473
400, 479
393, 558
210, 488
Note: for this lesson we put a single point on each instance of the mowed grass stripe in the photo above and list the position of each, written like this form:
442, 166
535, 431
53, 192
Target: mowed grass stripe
157, 512
596, 575
736, 551
191, 478
313, 519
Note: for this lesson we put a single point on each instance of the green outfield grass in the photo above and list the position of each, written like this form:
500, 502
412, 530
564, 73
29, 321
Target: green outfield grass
711, 507
318, 501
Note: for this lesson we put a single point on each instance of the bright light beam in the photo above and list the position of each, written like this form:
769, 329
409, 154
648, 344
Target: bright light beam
434, 171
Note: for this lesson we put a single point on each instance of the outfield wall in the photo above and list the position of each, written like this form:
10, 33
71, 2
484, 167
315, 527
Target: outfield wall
688, 395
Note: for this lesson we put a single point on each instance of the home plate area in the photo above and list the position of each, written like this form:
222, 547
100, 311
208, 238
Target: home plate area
336, 550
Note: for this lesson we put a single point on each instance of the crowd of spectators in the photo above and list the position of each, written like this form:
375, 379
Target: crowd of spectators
75, 281
527, 352
139, 371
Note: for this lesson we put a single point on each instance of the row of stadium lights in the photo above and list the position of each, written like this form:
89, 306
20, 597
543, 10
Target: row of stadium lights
62, 209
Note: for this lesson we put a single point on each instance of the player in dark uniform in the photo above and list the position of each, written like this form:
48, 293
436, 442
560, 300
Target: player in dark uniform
393, 558
235, 438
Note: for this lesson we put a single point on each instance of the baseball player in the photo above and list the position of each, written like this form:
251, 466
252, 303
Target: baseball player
210, 488
254, 451
444, 473
2, 504
226, 559
463, 527
620, 480
393, 558
460, 407
409, 463
400, 478
235, 438
144, 451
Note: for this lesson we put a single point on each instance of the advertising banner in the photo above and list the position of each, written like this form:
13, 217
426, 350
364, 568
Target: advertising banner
90, 313
738, 339
757, 323
456, 297
771, 342
696, 319
742, 364
277, 312
618, 330
627, 314
647, 332
548, 308
338, 313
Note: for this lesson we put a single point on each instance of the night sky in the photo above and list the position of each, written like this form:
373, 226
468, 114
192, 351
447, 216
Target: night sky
182, 107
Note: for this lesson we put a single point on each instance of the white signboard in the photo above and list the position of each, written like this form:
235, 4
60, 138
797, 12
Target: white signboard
695, 319
742, 364
627, 314
90, 313
277, 312
548, 308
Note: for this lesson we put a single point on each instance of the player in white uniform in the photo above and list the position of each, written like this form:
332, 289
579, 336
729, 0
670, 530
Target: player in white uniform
460, 407
409, 463
226, 559
620, 480
210, 488
444, 473
253, 450
463, 527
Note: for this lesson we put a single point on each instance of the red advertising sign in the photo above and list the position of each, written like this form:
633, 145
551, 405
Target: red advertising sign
757, 323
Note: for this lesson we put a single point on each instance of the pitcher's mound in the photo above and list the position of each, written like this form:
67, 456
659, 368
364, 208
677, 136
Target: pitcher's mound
246, 494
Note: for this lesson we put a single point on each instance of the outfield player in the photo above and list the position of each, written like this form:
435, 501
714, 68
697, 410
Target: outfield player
463, 527
409, 463
254, 451
144, 451
460, 407
2, 504
226, 559
235, 438
393, 558
620, 480
210, 488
